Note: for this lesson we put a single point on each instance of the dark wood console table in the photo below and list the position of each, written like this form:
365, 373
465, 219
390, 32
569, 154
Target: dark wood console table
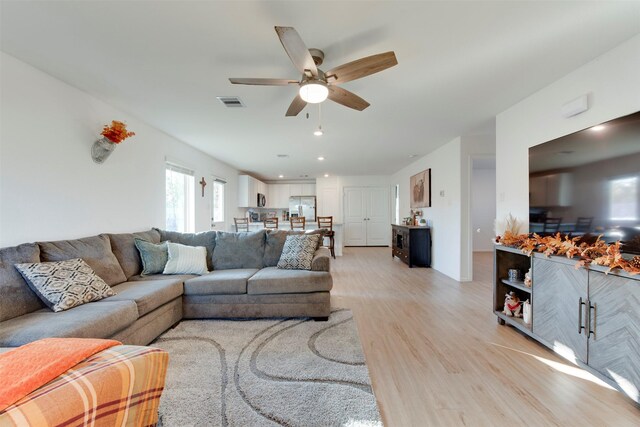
412, 244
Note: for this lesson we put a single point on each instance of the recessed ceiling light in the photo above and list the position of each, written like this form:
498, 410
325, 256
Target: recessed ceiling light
280, 176
282, 156
318, 132
597, 128
326, 175
321, 158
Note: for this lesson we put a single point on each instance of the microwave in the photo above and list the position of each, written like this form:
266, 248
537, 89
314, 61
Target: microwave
262, 200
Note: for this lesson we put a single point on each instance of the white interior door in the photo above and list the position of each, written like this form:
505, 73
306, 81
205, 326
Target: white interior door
355, 233
378, 228
366, 213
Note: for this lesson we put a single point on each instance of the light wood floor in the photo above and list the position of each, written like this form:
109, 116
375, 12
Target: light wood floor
437, 356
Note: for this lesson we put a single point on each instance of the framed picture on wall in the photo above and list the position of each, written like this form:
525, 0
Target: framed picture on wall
421, 189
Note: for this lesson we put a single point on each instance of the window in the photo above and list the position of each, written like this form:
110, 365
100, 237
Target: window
180, 199
623, 199
217, 211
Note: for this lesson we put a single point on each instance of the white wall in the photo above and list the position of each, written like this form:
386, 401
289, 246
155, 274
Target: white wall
613, 84
445, 213
49, 186
483, 208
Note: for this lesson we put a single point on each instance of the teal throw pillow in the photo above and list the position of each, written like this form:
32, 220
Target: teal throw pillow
154, 256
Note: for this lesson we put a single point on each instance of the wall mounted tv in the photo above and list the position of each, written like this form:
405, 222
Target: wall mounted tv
588, 183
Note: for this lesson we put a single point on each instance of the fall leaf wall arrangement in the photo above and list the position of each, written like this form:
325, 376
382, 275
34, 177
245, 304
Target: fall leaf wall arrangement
588, 250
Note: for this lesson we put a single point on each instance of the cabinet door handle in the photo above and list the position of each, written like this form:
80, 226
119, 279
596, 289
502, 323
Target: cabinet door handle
580, 327
592, 320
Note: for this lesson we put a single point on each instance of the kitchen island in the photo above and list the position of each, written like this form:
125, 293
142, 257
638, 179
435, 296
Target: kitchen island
284, 225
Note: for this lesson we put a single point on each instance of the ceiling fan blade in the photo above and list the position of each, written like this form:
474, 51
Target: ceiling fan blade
362, 67
296, 106
262, 82
346, 98
296, 49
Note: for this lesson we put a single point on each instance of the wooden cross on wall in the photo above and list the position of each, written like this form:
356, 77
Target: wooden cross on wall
203, 183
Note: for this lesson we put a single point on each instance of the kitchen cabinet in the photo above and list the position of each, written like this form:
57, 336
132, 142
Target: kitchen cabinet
308, 190
278, 196
248, 189
295, 190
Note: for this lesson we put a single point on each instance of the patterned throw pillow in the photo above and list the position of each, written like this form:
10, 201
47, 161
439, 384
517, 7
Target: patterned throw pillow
185, 259
154, 256
298, 251
64, 284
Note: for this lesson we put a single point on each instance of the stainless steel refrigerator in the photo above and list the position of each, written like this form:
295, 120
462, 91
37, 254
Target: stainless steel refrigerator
304, 206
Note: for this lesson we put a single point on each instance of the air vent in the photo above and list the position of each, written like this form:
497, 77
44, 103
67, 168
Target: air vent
282, 156
231, 101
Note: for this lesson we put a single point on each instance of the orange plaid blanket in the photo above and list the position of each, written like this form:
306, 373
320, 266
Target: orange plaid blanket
118, 386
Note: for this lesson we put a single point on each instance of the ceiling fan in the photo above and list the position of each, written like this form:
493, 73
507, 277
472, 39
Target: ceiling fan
316, 85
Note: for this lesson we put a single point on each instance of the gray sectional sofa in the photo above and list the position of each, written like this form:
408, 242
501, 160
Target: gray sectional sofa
244, 282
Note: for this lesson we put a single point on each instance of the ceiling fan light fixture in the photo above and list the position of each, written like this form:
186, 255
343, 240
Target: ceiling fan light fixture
314, 92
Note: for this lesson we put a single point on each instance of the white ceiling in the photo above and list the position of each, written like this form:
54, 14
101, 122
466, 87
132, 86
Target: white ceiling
460, 63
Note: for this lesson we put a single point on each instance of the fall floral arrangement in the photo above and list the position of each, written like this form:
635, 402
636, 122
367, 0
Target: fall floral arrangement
116, 132
588, 251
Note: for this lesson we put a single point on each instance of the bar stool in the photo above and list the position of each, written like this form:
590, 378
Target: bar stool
242, 224
297, 223
326, 223
271, 223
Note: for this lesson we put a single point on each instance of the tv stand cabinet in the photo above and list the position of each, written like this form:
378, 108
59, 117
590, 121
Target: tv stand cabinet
411, 244
585, 313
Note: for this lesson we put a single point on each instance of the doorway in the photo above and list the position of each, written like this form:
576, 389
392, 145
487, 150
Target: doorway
482, 205
366, 216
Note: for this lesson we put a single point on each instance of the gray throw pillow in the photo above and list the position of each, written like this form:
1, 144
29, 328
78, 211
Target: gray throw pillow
204, 238
64, 284
273, 246
154, 256
298, 252
239, 250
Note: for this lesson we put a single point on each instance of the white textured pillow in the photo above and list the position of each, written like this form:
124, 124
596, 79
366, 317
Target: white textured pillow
185, 259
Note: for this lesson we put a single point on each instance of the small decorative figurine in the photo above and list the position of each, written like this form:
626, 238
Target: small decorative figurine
528, 281
512, 305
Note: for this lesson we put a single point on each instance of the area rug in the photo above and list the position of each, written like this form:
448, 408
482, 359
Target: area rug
289, 372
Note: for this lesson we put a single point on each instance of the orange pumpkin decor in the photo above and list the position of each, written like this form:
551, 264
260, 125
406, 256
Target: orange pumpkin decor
117, 132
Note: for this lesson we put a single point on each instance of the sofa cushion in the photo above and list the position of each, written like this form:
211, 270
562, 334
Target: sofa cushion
206, 239
154, 256
298, 252
123, 247
185, 259
62, 285
95, 251
100, 319
148, 294
220, 282
16, 298
239, 250
274, 242
181, 277
272, 280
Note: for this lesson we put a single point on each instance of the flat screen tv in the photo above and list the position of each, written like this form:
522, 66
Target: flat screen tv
588, 183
